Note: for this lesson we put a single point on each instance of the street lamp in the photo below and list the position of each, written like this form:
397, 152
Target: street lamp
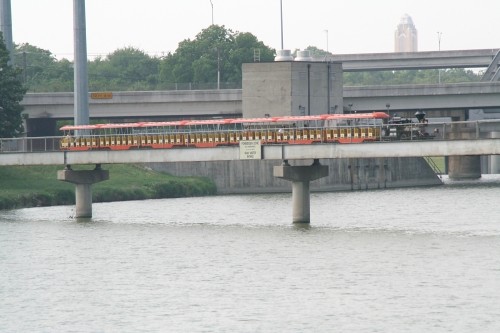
218, 68
211, 4
326, 40
281, 13
439, 49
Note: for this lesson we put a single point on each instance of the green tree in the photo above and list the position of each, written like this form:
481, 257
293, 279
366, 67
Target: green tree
215, 49
11, 94
124, 69
42, 71
246, 47
427, 76
316, 53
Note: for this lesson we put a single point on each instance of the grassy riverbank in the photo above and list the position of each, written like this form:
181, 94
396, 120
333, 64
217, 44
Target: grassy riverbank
437, 162
31, 186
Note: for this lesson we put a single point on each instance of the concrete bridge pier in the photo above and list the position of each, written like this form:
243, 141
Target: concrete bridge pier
495, 159
300, 176
464, 166
83, 179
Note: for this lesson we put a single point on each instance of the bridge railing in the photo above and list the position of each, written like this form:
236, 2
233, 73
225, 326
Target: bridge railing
30, 145
465, 130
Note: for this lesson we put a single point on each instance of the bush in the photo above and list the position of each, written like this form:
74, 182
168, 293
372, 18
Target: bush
177, 188
117, 194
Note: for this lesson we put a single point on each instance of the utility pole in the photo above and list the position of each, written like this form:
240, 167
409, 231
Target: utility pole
281, 12
6, 27
326, 40
81, 111
211, 3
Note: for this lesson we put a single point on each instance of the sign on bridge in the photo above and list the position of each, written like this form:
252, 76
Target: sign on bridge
250, 150
101, 95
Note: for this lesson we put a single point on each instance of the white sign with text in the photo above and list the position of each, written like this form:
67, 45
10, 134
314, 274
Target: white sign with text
250, 150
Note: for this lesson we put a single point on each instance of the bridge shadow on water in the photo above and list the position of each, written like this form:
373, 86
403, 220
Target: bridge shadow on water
486, 180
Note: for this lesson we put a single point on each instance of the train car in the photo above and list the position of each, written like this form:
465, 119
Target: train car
327, 128
399, 128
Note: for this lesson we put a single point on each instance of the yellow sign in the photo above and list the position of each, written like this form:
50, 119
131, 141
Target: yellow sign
250, 150
101, 95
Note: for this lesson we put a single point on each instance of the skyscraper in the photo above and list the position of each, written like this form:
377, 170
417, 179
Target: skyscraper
406, 37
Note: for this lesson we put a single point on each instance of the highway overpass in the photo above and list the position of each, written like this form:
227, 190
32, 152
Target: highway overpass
418, 60
228, 102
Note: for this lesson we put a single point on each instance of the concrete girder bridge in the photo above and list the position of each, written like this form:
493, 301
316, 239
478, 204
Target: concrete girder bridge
466, 148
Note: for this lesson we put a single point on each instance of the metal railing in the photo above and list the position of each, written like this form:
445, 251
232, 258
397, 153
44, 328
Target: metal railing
30, 145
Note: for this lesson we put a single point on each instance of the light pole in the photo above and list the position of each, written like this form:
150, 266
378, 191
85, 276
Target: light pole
211, 4
326, 40
439, 49
281, 13
218, 68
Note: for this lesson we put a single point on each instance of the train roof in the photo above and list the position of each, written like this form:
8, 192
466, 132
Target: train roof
228, 121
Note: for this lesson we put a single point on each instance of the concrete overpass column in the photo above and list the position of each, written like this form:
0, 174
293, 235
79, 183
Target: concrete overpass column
495, 159
83, 179
300, 176
466, 166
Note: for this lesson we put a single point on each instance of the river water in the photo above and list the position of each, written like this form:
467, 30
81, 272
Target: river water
400, 260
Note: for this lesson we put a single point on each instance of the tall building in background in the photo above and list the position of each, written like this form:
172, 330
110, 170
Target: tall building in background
406, 37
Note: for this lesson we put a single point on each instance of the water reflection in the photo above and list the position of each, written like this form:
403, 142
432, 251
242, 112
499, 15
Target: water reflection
301, 226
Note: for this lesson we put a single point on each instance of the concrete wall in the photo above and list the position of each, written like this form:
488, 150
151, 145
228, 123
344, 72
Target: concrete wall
345, 174
291, 88
267, 89
316, 88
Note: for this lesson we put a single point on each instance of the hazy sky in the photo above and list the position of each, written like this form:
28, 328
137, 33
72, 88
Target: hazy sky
354, 26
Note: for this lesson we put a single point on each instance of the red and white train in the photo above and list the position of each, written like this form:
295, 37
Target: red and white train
327, 128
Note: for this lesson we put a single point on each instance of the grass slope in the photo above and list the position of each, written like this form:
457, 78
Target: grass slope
28, 186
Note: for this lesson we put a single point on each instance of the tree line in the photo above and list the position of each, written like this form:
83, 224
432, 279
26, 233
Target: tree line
216, 54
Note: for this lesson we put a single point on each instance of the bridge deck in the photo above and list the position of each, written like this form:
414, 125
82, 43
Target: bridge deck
271, 152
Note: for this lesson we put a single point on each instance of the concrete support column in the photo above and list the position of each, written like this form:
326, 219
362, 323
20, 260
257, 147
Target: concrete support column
466, 166
83, 179
300, 176
83, 200
301, 202
495, 159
